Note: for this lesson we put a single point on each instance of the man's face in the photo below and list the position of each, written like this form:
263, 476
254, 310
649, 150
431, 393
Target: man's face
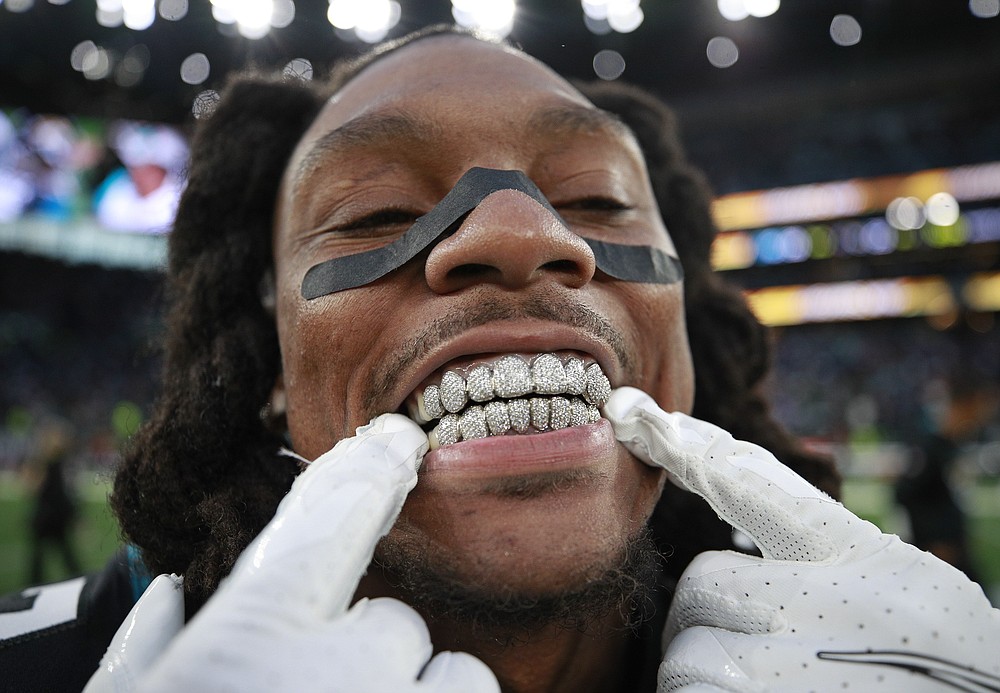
531, 512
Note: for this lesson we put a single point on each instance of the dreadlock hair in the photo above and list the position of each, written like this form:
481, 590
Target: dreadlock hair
201, 478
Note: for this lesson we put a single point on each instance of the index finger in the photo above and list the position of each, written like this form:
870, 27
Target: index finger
312, 554
787, 517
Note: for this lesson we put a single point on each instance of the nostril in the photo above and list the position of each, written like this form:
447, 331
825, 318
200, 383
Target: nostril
562, 266
471, 270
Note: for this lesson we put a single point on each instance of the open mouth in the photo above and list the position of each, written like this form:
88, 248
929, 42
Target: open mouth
512, 395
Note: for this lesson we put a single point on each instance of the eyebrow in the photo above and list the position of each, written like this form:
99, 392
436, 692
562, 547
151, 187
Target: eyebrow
378, 128
364, 131
577, 120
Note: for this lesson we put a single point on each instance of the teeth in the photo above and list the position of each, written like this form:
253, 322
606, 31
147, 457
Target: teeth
453, 392
576, 379
472, 423
519, 411
548, 375
539, 413
593, 414
428, 405
511, 377
497, 417
446, 432
557, 388
598, 386
480, 384
559, 418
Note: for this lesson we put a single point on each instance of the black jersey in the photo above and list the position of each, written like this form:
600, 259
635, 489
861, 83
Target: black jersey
52, 637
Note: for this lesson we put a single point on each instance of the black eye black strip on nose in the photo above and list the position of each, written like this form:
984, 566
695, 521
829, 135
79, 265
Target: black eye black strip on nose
633, 263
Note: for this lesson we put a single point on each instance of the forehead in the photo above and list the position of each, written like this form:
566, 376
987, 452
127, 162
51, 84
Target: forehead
450, 83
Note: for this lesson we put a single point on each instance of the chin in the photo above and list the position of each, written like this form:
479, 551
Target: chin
516, 542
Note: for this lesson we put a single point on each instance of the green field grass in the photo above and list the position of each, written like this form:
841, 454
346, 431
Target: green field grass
96, 532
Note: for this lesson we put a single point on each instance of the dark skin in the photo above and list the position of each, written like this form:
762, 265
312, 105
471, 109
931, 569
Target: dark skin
405, 129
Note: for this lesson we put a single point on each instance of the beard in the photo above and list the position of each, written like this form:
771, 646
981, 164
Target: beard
626, 582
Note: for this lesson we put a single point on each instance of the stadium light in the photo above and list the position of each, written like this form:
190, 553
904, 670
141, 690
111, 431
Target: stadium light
493, 17
736, 10
602, 16
370, 20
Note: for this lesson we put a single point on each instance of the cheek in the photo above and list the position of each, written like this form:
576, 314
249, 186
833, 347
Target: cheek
663, 363
319, 339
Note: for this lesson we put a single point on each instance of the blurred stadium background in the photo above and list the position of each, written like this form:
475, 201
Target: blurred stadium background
854, 146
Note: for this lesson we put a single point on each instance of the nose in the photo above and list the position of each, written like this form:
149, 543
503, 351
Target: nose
512, 241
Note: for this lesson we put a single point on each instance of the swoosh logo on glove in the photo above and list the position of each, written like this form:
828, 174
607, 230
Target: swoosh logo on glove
949, 673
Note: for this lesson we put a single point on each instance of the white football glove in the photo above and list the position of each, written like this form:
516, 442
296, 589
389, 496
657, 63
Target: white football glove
143, 635
281, 621
834, 603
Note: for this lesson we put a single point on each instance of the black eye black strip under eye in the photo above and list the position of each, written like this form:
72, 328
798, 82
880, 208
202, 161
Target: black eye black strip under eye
633, 263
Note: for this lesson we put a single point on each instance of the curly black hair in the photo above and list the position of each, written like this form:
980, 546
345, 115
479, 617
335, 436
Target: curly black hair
201, 478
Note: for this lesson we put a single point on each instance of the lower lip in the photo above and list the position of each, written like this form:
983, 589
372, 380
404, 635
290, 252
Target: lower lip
567, 448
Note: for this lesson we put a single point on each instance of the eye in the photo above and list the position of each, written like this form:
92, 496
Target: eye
595, 204
382, 219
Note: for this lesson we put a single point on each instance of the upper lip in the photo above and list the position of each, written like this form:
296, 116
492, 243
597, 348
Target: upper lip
505, 337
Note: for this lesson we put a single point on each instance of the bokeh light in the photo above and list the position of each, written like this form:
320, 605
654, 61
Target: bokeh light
20, 5
492, 17
877, 237
138, 14
722, 52
942, 209
96, 64
298, 68
132, 67
984, 9
253, 17
905, 213
845, 30
762, 8
204, 103
603, 16
609, 64
173, 10
737, 10
79, 54
595, 9
223, 11
110, 13
733, 10
282, 14
195, 68
598, 27
369, 20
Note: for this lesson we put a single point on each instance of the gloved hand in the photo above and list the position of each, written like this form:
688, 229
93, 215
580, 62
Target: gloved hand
834, 604
142, 636
281, 622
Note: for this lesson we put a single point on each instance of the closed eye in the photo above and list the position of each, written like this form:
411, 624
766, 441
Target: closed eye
595, 204
383, 218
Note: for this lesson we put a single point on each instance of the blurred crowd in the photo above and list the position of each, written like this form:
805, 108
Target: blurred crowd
78, 345
880, 381
128, 174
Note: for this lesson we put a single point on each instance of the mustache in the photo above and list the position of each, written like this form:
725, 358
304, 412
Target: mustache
461, 320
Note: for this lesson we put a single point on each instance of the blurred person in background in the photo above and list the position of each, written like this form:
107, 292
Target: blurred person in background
54, 508
16, 189
359, 271
955, 417
142, 194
